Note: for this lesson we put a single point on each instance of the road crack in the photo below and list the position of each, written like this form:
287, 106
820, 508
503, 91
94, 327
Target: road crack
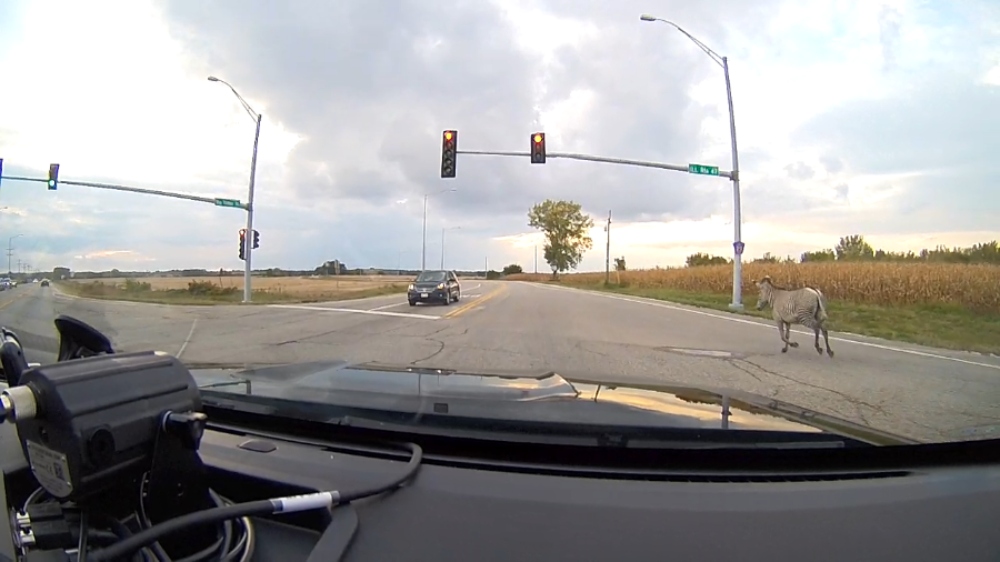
432, 355
857, 402
736, 363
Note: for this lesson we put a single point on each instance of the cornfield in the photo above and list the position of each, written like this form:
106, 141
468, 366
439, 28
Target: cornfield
974, 287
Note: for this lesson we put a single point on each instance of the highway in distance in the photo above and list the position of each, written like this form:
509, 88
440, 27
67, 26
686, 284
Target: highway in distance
922, 393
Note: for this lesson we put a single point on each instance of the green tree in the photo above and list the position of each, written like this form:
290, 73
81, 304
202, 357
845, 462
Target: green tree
566, 229
820, 255
854, 248
701, 258
512, 269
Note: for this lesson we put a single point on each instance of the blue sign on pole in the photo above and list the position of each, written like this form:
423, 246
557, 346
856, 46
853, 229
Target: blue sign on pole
738, 246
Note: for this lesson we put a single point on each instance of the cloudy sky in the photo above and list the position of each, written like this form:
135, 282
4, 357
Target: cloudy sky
869, 117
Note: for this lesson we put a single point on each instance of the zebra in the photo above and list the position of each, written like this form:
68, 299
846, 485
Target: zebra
806, 306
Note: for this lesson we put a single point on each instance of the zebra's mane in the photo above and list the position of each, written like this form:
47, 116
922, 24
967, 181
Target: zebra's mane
767, 279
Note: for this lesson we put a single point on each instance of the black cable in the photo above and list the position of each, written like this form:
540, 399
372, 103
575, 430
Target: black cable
291, 504
158, 552
251, 541
221, 544
205, 552
81, 549
121, 531
227, 527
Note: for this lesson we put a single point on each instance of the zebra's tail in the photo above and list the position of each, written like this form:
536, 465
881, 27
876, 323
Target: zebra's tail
821, 309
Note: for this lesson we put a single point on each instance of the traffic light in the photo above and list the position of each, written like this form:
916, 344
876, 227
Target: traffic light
538, 148
243, 243
449, 153
256, 240
53, 176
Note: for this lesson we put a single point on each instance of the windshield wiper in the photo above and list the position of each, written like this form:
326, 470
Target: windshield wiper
245, 382
547, 432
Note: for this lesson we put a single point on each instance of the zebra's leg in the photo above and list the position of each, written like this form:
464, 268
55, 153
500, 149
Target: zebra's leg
781, 334
815, 325
788, 335
818, 326
826, 340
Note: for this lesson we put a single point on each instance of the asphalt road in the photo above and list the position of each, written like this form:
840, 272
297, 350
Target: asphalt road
922, 393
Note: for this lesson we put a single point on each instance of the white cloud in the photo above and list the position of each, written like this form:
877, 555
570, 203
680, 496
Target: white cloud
116, 92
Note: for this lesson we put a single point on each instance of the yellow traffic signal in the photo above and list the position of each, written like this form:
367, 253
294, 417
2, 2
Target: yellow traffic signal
449, 153
538, 148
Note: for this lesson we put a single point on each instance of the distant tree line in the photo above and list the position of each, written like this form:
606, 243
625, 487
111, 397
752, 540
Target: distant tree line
855, 248
331, 267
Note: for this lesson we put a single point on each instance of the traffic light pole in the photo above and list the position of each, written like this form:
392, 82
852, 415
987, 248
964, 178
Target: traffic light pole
248, 239
586, 157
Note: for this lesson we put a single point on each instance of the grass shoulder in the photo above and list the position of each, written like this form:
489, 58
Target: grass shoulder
937, 325
207, 293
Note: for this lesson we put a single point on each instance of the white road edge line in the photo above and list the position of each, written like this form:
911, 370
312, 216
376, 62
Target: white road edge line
722, 316
355, 311
377, 308
187, 340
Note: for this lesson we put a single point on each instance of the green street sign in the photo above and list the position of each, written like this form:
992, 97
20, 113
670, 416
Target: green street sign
228, 203
703, 169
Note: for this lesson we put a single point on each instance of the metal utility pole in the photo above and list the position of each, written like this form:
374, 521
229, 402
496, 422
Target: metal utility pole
423, 247
10, 251
423, 244
442, 242
536, 258
738, 245
607, 253
248, 239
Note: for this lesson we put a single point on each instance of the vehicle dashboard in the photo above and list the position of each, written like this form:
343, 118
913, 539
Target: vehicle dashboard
467, 509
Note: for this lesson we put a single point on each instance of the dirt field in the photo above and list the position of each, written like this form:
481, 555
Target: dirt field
303, 287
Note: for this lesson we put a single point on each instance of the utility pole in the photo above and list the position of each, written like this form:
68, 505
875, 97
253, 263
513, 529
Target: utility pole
607, 253
536, 259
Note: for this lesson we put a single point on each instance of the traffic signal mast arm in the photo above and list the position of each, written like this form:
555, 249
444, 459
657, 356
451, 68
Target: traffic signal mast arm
175, 195
586, 157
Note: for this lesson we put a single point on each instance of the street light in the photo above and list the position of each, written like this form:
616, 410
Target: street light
722, 61
442, 241
10, 251
423, 250
248, 241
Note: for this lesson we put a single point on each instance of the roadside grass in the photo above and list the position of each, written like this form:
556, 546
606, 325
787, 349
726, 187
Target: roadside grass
945, 326
208, 293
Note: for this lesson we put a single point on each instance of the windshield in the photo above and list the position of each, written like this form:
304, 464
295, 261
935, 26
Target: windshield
431, 277
785, 221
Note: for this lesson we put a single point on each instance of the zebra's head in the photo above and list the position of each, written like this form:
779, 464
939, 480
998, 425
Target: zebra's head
765, 287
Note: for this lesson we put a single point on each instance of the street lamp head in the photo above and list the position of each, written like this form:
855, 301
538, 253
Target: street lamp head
213, 79
647, 17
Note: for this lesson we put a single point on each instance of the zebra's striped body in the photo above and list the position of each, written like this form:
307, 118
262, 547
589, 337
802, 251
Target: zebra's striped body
806, 306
